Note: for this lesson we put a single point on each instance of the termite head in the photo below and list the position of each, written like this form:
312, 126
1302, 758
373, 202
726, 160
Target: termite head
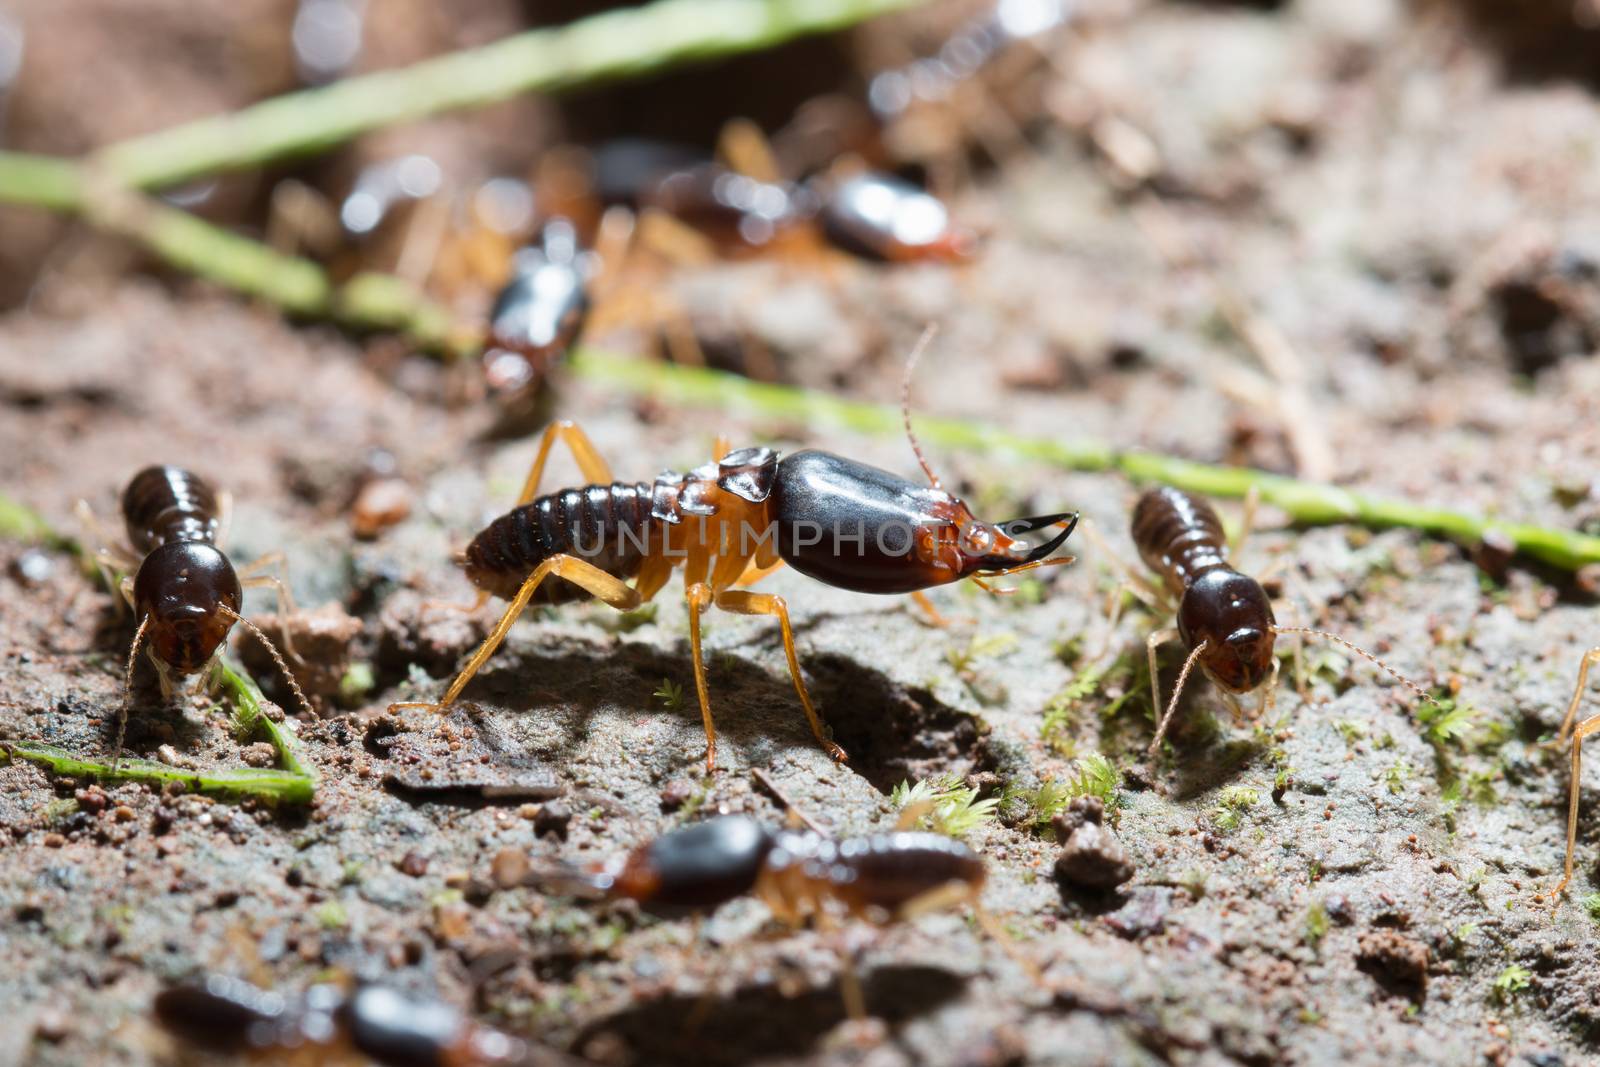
1231, 613
862, 528
696, 868
984, 548
182, 590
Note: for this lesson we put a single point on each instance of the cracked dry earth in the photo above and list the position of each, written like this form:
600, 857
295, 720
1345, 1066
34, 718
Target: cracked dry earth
1337, 885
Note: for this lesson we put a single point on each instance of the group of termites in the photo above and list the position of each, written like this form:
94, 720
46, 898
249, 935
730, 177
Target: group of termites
831, 518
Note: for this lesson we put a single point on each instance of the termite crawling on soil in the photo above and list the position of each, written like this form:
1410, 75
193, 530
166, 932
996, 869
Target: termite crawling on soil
1224, 617
800, 876
184, 592
372, 1023
728, 524
538, 314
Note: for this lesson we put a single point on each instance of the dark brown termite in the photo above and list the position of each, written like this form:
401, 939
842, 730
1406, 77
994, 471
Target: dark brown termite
329, 1025
801, 877
1224, 617
728, 524
185, 594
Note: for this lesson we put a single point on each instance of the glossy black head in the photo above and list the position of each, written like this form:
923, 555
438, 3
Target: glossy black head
1231, 613
221, 1013
395, 1029
182, 587
535, 320
696, 868
861, 528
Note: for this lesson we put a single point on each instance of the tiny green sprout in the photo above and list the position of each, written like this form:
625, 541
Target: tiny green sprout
1231, 803
331, 916
1463, 933
1514, 979
1096, 776
358, 680
1446, 722
1395, 776
1314, 870
1591, 904
1193, 882
1316, 924
1048, 801
670, 694
1350, 730
953, 808
982, 646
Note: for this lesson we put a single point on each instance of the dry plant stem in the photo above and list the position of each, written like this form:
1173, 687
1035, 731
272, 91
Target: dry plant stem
616, 45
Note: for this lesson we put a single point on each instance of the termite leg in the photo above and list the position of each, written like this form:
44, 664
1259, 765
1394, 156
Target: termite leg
855, 1000
997, 933
1155, 640
698, 596
1590, 658
935, 616
114, 562
587, 576
743, 603
251, 578
595, 469
1585, 728
756, 572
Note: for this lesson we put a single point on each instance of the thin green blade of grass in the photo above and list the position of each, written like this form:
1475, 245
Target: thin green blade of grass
283, 787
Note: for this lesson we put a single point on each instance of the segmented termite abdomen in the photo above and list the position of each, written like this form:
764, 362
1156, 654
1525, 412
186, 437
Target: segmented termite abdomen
1179, 536
164, 504
889, 871
609, 526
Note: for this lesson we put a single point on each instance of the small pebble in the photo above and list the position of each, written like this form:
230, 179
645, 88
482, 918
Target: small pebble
509, 867
124, 813
54, 841
553, 818
414, 864
382, 503
676, 794
33, 568
260, 754
52, 1026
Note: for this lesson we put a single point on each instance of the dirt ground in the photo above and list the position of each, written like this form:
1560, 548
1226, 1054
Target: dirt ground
1405, 193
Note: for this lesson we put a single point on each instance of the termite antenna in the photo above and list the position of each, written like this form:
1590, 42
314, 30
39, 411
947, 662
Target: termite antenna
795, 811
1177, 691
127, 697
1364, 654
905, 400
305, 705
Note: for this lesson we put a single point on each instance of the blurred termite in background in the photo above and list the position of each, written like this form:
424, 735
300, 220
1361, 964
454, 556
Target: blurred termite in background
331, 1024
801, 876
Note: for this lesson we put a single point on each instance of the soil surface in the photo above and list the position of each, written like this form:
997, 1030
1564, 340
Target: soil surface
1398, 203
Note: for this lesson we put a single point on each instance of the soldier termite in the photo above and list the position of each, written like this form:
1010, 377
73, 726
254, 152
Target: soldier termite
728, 524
